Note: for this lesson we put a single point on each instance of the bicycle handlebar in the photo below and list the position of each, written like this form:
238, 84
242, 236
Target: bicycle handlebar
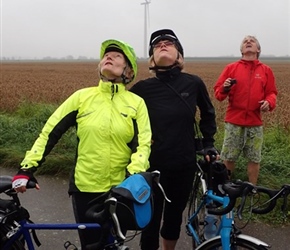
110, 205
273, 195
108, 209
242, 189
222, 211
233, 191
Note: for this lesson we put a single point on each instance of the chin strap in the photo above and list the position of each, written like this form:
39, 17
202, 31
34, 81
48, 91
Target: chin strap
105, 79
125, 79
156, 67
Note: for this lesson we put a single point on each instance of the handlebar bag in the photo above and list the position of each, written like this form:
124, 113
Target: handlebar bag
219, 175
134, 201
9, 212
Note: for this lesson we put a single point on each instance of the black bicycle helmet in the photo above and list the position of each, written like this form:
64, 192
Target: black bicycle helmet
164, 34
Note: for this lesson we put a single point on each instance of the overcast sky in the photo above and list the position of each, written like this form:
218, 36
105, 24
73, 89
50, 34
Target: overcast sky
58, 28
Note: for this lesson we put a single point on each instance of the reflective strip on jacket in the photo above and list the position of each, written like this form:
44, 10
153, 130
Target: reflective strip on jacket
113, 133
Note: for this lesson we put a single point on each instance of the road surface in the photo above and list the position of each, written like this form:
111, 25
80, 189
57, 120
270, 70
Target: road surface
51, 204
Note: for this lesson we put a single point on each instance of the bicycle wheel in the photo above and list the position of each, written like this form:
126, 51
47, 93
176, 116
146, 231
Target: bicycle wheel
194, 201
241, 242
5, 229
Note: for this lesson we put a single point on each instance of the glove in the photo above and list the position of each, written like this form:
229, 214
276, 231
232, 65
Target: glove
22, 177
211, 152
127, 174
227, 89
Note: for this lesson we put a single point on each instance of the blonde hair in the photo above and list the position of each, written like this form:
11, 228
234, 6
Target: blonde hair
257, 42
179, 63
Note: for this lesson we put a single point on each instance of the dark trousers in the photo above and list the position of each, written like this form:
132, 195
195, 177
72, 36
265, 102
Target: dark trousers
177, 186
80, 202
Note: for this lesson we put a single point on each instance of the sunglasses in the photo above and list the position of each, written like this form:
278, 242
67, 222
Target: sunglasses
163, 43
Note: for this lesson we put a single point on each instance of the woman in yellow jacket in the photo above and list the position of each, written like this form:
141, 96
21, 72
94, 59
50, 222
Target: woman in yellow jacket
113, 133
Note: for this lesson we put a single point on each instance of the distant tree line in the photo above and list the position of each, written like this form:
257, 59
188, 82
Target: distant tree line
84, 58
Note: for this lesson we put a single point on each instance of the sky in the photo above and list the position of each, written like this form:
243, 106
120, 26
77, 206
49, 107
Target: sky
34, 29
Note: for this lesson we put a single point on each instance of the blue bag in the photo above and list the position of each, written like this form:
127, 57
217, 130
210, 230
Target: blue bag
134, 201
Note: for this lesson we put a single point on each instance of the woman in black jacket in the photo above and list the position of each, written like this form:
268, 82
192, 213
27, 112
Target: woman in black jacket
172, 98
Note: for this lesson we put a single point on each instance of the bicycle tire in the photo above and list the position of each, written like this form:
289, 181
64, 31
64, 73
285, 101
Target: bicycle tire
194, 200
241, 242
18, 244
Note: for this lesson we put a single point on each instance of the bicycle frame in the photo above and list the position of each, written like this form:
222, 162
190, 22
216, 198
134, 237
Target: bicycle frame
225, 226
24, 227
106, 220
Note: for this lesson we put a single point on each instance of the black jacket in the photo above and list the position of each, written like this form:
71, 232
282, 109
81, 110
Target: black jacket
172, 121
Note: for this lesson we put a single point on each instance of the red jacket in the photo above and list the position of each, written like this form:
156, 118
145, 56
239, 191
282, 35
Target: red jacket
255, 82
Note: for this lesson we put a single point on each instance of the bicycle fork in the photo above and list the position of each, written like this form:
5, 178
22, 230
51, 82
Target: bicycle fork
226, 230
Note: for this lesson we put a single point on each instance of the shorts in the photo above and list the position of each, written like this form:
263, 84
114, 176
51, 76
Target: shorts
238, 139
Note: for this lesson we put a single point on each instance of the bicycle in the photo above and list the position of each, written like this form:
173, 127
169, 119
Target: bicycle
268, 199
17, 231
205, 200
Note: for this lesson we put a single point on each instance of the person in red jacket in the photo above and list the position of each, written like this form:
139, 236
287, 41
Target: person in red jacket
251, 90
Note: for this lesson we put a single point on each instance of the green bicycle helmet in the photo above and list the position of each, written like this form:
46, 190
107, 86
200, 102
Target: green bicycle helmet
125, 49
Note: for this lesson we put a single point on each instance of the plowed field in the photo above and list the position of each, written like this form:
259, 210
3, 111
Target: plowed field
53, 82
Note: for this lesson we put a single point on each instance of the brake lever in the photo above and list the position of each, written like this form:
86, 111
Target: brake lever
285, 200
163, 192
112, 209
156, 179
248, 189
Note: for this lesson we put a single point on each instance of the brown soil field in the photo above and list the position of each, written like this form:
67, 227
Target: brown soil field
53, 82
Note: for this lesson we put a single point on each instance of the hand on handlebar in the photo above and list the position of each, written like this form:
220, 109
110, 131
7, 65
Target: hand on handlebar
22, 179
211, 154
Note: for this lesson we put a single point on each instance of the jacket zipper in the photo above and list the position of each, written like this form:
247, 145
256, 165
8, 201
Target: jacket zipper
114, 89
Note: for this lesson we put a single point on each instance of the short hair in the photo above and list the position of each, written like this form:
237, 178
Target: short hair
257, 42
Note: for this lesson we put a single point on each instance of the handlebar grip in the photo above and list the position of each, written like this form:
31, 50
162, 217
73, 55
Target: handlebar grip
99, 217
31, 184
271, 201
233, 190
225, 210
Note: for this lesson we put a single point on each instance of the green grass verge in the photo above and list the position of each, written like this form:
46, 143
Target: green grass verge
20, 129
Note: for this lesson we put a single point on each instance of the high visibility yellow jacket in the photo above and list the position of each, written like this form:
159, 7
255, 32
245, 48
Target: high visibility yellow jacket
113, 134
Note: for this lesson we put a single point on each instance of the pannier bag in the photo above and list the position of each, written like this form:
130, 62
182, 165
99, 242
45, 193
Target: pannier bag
134, 201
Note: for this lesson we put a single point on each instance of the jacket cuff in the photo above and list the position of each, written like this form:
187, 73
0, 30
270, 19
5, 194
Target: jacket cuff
208, 142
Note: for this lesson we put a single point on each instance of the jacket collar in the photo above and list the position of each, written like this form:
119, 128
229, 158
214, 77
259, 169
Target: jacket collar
110, 87
168, 74
253, 62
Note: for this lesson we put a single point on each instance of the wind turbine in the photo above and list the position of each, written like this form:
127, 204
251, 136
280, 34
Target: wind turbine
146, 21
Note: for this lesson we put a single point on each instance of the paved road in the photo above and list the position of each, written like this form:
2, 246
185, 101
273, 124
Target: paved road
52, 204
